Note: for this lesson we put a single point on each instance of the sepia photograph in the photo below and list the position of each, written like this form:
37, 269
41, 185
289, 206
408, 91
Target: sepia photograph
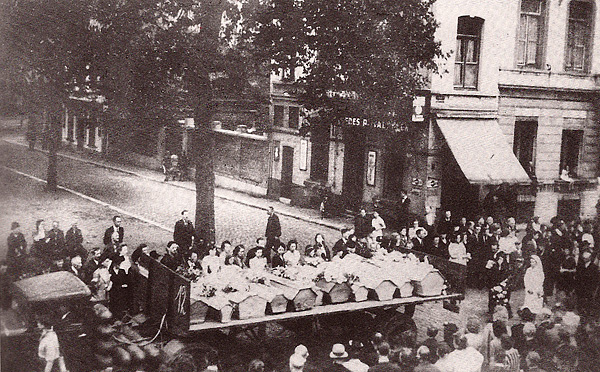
299, 185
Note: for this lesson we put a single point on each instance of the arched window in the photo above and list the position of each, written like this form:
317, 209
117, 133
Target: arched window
468, 43
579, 36
531, 33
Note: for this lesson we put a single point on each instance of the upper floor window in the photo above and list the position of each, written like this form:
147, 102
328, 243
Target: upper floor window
530, 38
294, 117
579, 36
570, 151
468, 41
278, 116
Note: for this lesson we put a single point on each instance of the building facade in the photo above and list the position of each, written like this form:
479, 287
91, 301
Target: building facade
526, 70
509, 126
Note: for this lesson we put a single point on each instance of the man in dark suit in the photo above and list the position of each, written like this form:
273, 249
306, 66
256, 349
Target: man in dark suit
74, 242
446, 225
273, 231
17, 251
362, 224
184, 232
113, 236
586, 279
91, 265
342, 244
56, 243
172, 259
419, 240
403, 210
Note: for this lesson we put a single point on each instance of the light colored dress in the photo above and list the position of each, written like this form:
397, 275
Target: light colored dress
211, 264
292, 258
458, 253
534, 287
378, 226
102, 283
258, 263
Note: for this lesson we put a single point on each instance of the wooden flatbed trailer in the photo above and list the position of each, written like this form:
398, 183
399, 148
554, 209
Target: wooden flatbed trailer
165, 295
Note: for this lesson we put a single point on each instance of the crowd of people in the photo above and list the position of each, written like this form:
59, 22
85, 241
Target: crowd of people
555, 264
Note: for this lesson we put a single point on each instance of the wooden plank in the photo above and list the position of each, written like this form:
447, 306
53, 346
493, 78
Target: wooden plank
324, 310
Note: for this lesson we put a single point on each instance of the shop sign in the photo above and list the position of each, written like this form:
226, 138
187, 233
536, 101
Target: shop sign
372, 123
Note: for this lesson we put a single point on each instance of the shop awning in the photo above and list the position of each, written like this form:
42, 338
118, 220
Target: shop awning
482, 152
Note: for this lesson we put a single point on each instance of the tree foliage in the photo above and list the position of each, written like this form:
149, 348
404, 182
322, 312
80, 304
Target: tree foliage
360, 57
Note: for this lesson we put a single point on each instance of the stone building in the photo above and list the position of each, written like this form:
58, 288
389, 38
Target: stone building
522, 79
509, 127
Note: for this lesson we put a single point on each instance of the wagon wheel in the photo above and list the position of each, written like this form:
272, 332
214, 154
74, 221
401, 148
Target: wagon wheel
396, 326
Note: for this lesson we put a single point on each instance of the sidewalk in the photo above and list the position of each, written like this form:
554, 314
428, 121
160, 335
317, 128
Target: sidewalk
303, 214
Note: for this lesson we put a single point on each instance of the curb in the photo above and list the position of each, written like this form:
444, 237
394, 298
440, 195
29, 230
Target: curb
185, 187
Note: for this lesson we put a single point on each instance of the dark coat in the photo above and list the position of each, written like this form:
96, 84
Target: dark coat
88, 270
108, 235
362, 226
586, 280
403, 212
56, 244
273, 227
277, 261
172, 261
16, 252
74, 243
340, 245
121, 293
418, 244
500, 271
445, 227
184, 234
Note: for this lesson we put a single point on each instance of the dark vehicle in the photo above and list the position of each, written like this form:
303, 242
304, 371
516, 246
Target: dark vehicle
60, 298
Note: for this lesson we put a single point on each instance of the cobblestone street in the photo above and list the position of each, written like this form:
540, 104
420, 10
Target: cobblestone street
24, 200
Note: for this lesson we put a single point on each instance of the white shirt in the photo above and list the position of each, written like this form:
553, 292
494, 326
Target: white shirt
355, 365
467, 360
378, 225
292, 258
49, 349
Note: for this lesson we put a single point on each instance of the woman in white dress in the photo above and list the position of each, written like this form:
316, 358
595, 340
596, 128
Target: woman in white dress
211, 263
534, 285
458, 251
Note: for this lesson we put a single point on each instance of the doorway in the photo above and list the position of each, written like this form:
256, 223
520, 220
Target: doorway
458, 194
287, 171
354, 167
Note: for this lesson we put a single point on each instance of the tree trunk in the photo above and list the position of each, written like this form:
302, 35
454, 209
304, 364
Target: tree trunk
53, 139
203, 142
203, 139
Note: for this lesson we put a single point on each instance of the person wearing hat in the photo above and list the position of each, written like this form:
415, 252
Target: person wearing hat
338, 356
17, 250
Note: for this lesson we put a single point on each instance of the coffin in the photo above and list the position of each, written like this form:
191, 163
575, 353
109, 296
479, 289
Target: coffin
385, 290
431, 284
248, 305
218, 308
334, 292
302, 296
360, 292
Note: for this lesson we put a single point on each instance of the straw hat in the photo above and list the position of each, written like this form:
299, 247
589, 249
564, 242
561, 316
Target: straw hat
338, 351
